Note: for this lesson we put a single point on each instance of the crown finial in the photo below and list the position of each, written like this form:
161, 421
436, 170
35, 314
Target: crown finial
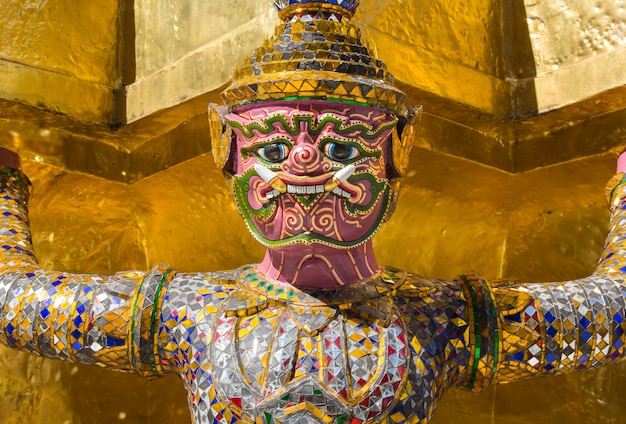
289, 8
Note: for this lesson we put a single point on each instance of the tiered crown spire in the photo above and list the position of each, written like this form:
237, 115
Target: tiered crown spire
289, 8
315, 53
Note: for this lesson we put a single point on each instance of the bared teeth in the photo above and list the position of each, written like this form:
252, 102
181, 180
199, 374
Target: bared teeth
279, 186
305, 189
272, 194
341, 193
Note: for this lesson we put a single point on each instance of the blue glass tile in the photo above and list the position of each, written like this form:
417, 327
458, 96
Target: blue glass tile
584, 322
585, 336
112, 341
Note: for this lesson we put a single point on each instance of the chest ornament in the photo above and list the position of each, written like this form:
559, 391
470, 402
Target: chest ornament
282, 355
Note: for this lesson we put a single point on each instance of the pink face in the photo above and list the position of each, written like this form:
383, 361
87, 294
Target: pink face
312, 172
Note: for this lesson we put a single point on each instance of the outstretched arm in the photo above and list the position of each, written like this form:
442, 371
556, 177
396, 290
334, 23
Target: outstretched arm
70, 316
525, 330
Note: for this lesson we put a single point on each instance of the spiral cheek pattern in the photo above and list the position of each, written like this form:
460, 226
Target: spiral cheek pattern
323, 221
293, 221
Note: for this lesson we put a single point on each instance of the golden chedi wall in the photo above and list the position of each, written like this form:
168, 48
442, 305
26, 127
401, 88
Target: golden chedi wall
112, 62
506, 58
524, 117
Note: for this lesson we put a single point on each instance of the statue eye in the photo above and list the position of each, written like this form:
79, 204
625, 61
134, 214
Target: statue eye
341, 152
274, 153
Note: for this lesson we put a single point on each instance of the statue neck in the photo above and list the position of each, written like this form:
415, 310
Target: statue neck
320, 266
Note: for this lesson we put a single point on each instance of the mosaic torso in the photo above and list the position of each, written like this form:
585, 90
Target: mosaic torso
259, 351
252, 350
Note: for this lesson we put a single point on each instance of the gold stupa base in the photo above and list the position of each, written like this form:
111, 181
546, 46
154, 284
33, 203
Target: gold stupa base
127, 154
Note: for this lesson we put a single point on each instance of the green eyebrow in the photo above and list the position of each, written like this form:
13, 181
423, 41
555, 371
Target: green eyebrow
340, 126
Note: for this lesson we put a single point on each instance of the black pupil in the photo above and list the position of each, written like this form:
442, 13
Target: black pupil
341, 151
274, 152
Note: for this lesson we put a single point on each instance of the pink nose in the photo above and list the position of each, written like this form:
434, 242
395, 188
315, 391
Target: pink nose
304, 159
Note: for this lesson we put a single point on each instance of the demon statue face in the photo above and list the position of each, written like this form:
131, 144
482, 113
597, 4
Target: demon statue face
312, 172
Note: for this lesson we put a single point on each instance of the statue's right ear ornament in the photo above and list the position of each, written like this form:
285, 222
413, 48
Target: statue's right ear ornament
221, 136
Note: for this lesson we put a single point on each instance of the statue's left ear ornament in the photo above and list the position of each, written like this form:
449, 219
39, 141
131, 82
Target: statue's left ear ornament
403, 138
221, 134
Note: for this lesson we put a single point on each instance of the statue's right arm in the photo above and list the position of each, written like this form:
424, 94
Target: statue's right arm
74, 317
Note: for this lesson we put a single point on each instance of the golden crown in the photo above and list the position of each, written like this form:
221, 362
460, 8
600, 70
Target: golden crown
315, 54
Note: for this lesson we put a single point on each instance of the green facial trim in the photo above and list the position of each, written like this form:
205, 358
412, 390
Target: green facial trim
380, 192
242, 187
340, 126
376, 189
307, 200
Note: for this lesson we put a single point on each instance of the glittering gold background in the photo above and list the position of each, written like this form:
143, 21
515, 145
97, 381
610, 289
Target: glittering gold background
505, 197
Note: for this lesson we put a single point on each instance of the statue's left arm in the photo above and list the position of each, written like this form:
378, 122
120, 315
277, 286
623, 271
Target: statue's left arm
538, 329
